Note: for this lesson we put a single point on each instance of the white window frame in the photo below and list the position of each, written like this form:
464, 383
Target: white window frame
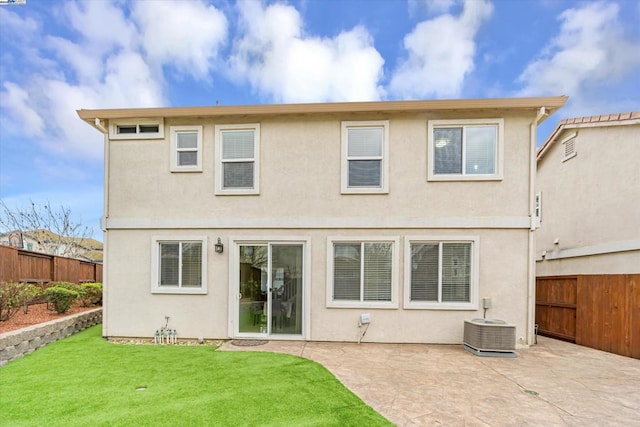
114, 126
569, 145
395, 259
475, 272
173, 132
498, 173
155, 265
219, 185
384, 167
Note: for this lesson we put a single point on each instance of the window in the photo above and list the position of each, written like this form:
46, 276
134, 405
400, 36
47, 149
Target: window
137, 129
237, 159
538, 210
365, 153
186, 148
441, 273
465, 149
179, 265
569, 147
362, 273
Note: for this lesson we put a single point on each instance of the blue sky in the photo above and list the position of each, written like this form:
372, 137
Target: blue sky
56, 57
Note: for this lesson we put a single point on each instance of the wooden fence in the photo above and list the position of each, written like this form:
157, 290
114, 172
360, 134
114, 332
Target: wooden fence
17, 265
598, 311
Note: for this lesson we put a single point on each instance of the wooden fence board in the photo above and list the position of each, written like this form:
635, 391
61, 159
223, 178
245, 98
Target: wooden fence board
8, 264
19, 265
606, 311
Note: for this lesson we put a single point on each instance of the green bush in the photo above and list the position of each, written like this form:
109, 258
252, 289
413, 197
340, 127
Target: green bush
92, 294
61, 298
13, 296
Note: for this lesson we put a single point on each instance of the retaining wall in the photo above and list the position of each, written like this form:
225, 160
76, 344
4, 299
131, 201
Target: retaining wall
17, 343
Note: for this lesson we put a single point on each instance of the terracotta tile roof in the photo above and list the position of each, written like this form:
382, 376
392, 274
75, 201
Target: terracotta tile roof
602, 118
588, 121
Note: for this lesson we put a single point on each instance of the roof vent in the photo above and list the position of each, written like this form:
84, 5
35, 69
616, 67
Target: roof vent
569, 146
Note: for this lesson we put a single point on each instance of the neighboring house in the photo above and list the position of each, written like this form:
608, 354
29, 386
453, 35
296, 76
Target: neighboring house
293, 221
588, 185
48, 242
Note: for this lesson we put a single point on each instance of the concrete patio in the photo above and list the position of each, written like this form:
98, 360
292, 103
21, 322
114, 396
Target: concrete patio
551, 384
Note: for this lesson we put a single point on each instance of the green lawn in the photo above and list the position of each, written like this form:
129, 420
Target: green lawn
85, 381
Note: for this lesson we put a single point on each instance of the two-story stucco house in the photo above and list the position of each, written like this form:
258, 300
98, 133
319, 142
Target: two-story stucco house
589, 194
293, 221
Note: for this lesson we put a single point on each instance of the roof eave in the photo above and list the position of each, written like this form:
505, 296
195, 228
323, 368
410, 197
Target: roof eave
551, 103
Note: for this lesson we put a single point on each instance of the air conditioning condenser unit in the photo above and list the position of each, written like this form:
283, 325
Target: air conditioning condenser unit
489, 337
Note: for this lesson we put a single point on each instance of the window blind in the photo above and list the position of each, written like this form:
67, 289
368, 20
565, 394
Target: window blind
191, 264
364, 155
424, 272
346, 271
447, 150
365, 142
169, 264
238, 174
237, 145
365, 173
480, 149
377, 272
456, 272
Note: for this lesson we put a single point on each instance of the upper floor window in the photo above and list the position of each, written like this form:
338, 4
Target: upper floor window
465, 149
365, 154
237, 159
362, 273
441, 272
179, 265
136, 129
186, 148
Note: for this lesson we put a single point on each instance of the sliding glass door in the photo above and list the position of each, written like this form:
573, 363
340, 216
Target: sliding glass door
270, 288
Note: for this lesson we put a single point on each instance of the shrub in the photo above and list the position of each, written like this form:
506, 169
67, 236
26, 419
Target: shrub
92, 294
13, 296
61, 298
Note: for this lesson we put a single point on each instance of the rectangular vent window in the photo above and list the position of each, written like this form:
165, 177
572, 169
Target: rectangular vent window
149, 128
141, 128
127, 129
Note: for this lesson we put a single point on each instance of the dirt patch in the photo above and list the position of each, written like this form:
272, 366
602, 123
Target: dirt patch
38, 313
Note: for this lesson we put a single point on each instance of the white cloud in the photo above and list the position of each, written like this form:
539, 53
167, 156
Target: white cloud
432, 6
440, 53
102, 25
591, 49
279, 61
14, 101
187, 35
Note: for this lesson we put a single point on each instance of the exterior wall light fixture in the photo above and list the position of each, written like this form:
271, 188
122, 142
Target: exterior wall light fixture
219, 247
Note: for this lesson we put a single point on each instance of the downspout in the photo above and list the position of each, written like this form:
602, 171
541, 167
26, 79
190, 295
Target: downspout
531, 285
103, 224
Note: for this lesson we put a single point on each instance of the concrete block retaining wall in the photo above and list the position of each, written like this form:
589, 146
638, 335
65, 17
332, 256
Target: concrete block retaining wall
17, 343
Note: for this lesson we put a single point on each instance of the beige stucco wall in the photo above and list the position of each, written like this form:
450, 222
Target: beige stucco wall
627, 262
131, 309
591, 201
300, 168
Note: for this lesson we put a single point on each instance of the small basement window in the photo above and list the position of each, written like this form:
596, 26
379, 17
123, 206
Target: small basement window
137, 129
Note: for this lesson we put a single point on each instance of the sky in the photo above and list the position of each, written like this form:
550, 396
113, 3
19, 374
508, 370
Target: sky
60, 56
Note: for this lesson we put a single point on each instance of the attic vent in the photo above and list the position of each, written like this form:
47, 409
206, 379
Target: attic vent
569, 147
